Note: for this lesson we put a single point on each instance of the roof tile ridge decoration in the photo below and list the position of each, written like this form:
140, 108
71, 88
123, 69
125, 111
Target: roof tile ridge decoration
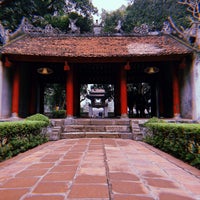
27, 28
189, 37
63, 35
14, 40
183, 42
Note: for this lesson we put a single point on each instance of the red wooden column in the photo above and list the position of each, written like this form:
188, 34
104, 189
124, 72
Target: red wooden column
176, 94
70, 92
15, 93
123, 92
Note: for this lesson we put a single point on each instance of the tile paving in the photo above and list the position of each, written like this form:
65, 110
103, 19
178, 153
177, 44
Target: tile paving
97, 169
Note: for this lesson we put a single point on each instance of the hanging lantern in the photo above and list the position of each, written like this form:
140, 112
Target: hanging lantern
45, 71
151, 70
127, 66
66, 66
7, 62
182, 65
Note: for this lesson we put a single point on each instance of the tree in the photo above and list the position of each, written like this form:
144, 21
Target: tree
111, 19
13, 11
84, 7
193, 6
54, 96
42, 12
150, 12
191, 34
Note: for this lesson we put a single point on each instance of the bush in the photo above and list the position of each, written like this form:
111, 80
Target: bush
154, 120
39, 117
180, 140
59, 114
16, 137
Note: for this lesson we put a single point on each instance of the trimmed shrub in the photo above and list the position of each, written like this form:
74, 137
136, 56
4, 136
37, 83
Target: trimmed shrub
59, 114
180, 140
39, 117
16, 137
154, 120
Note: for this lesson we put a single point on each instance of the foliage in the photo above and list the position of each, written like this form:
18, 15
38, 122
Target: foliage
13, 11
83, 92
84, 7
85, 23
54, 95
16, 137
59, 114
152, 13
40, 12
180, 140
111, 19
154, 120
39, 117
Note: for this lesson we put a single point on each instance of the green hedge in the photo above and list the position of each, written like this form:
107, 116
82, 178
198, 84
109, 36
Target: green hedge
39, 117
16, 137
59, 114
180, 140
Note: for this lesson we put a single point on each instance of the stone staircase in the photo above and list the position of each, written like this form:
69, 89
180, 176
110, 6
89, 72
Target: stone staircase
135, 127
95, 128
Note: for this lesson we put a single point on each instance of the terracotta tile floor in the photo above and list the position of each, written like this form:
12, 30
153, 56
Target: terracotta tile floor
97, 169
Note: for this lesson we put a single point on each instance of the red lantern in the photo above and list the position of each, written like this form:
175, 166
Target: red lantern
127, 66
66, 66
7, 63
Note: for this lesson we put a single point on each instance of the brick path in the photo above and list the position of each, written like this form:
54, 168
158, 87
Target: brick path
97, 169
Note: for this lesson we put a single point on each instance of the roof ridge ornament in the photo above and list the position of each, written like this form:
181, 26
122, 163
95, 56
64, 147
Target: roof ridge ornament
27, 28
6, 35
145, 29
74, 29
31, 29
118, 28
191, 34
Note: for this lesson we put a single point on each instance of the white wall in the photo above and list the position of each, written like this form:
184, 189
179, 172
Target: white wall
5, 91
1, 85
196, 87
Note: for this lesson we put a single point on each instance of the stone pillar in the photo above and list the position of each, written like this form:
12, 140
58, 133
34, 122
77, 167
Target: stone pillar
15, 93
176, 93
106, 111
196, 87
70, 93
90, 111
123, 92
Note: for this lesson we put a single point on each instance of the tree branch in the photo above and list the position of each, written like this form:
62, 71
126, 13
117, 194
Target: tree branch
175, 28
193, 7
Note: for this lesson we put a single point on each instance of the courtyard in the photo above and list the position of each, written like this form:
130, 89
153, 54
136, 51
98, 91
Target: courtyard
97, 168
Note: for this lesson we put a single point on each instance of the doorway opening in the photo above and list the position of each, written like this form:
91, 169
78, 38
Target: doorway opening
97, 100
54, 98
139, 100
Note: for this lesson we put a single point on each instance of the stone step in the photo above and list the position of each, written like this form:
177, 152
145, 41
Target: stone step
54, 133
97, 122
96, 128
137, 134
72, 135
138, 137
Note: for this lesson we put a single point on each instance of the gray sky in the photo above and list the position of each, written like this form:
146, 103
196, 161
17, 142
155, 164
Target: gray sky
109, 5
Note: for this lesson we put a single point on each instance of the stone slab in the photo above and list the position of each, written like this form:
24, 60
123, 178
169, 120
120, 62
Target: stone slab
97, 168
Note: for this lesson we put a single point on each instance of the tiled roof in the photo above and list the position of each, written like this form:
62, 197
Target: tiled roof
95, 47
